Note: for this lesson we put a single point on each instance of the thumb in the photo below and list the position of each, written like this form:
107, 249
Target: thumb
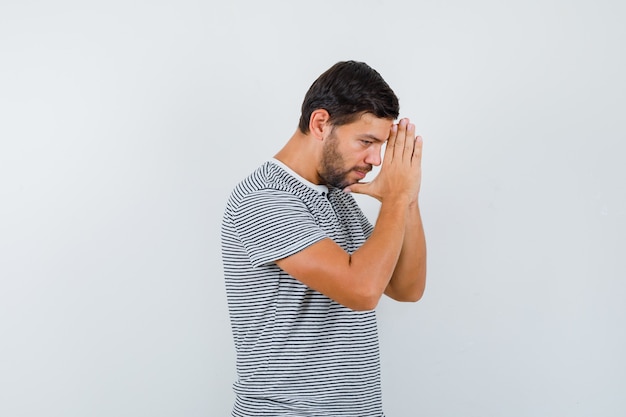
357, 187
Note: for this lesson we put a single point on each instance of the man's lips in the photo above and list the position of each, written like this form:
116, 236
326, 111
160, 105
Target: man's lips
361, 173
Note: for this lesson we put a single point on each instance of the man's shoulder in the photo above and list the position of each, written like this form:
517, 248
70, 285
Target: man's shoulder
269, 179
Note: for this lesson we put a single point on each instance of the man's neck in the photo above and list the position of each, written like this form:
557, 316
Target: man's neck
301, 154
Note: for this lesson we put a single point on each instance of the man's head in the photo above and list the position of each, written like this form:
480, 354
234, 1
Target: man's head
357, 108
346, 91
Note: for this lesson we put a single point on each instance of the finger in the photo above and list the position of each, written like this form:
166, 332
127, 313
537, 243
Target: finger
417, 150
390, 144
398, 149
409, 141
357, 187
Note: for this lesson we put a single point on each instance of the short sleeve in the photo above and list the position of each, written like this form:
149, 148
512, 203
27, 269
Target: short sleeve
273, 225
365, 224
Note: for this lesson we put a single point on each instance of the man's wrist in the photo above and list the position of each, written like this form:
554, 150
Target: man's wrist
414, 203
397, 200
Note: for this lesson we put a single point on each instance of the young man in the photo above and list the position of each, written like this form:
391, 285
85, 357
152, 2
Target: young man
304, 269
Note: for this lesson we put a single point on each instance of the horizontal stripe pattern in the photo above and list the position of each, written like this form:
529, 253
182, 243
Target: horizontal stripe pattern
299, 353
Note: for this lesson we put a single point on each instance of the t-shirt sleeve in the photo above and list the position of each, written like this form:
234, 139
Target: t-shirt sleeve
366, 225
273, 225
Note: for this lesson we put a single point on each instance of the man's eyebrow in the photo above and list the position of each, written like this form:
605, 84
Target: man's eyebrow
372, 137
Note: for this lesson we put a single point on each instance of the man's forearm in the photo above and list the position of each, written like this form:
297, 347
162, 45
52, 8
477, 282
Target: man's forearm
378, 257
356, 280
409, 277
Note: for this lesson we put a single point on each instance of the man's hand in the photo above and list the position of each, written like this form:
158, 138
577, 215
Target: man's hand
401, 172
393, 259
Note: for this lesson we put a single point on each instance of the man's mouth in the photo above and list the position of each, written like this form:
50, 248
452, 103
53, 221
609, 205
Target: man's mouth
361, 173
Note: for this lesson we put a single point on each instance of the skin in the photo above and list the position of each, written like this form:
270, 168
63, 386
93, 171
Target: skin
393, 260
333, 169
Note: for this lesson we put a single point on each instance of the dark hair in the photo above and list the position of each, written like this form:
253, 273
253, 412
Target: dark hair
346, 90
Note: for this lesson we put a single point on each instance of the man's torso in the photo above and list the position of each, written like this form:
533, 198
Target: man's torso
298, 352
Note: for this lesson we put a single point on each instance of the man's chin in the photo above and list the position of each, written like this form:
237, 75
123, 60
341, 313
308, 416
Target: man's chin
352, 177
348, 183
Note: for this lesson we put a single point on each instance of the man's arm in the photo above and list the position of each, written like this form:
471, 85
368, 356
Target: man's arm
358, 281
409, 277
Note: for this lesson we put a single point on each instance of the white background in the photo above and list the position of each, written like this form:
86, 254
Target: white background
125, 124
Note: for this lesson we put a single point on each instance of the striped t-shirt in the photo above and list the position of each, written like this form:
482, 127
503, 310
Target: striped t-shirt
299, 353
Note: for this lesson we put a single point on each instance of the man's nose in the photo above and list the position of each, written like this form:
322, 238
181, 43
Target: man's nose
373, 157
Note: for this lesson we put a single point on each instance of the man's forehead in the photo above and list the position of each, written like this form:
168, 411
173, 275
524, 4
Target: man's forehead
374, 128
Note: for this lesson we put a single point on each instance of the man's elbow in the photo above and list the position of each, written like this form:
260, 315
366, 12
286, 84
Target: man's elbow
365, 299
368, 302
413, 297
409, 295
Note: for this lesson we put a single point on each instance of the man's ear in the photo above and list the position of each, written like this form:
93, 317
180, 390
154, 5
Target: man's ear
319, 124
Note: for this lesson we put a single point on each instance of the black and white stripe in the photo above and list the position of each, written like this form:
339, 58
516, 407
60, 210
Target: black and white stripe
299, 353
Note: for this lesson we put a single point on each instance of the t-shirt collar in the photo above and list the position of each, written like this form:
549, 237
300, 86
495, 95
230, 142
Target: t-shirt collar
320, 188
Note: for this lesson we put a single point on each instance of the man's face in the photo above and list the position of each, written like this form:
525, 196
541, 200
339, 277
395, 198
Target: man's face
350, 150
